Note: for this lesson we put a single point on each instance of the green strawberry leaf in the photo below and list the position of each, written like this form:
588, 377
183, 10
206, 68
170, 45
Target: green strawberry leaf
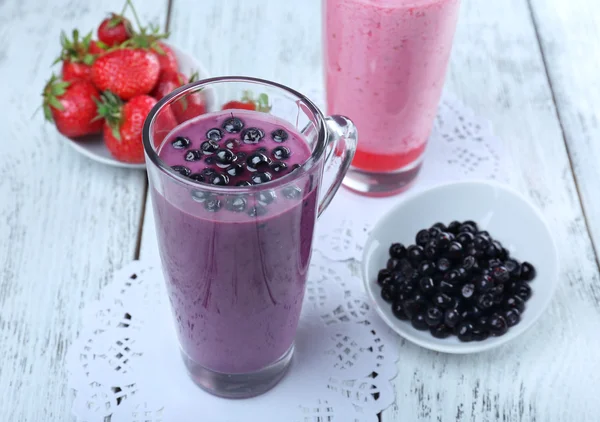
53, 101
263, 103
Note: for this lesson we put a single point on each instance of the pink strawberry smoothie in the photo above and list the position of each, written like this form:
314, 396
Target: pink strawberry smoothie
236, 265
386, 63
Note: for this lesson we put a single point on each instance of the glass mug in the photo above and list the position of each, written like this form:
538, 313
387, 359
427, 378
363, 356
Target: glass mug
385, 67
236, 280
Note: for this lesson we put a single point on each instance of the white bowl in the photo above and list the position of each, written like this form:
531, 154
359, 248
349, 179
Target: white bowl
506, 214
93, 146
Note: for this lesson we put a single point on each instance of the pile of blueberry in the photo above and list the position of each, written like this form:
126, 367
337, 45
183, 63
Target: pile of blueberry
456, 280
230, 161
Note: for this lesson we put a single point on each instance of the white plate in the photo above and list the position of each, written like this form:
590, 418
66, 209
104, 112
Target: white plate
507, 215
93, 146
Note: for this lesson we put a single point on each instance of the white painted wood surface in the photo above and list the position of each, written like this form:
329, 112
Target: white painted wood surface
570, 39
66, 222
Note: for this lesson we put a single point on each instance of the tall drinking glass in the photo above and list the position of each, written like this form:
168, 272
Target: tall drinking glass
235, 258
386, 64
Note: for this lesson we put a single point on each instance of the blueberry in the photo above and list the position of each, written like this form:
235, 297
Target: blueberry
494, 250
278, 167
389, 292
208, 172
399, 277
193, 155
219, 179
236, 204
453, 227
500, 274
232, 144
234, 170
452, 317
462, 273
480, 333
398, 310
214, 134
279, 135
385, 281
467, 227
252, 135
427, 285
497, 325
209, 160
209, 147
485, 301
243, 183
470, 312
455, 250
482, 321
414, 253
452, 276
266, 197
447, 287
527, 271
224, 157
233, 125
291, 192
257, 211
257, 161
181, 142
385, 273
426, 268
512, 317
295, 167
261, 177
483, 283
393, 264
440, 226
513, 267
444, 240
422, 238
430, 252
281, 153
199, 196
434, 232
481, 242
442, 300
441, 331
418, 321
468, 290
434, 316
184, 171
464, 331
464, 238
197, 177
212, 205
443, 265
515, 302
497, 293
261, 150
469, 263
493, 263
523, 291
407, 287
241, 155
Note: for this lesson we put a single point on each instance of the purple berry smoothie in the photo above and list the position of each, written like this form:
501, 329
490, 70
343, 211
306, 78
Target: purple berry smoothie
236, 265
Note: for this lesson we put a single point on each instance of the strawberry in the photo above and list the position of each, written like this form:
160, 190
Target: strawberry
123, 125
191, 105
249, 103
166, 57
77, 56
167, 83
127, 72
72, 107
115, 30
96, 48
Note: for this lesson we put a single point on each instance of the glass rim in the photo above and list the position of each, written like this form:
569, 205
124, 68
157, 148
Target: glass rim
151, 153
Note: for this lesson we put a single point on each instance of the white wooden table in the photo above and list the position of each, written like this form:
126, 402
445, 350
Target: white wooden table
66, 223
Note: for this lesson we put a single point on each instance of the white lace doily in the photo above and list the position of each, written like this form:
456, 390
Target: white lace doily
125, 365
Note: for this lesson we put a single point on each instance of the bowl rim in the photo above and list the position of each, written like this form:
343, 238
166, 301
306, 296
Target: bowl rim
438, 344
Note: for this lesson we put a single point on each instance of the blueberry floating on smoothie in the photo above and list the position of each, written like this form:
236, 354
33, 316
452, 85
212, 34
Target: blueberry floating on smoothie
224, 157
243, 183
278, 167
197, 177
279, 135
257, 161
208, 172
252, 135
219, 179
181, 142
456, 280
209, 147
234, 170
281, 153
214, 134
233, 125
183, 170
261, 177
210, 160
232, 144
236, 204
193, 155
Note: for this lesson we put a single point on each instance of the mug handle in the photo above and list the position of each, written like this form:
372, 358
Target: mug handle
342, 141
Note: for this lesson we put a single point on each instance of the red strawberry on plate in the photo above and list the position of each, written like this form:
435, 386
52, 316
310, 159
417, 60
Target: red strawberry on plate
114, 30
191, 104
167, 83
249, 103
166, 57
78, 56
127, 72
72, 107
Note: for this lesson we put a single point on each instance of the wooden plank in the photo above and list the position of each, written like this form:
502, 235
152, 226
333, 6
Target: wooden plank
497, 69
569, 33
67, 222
